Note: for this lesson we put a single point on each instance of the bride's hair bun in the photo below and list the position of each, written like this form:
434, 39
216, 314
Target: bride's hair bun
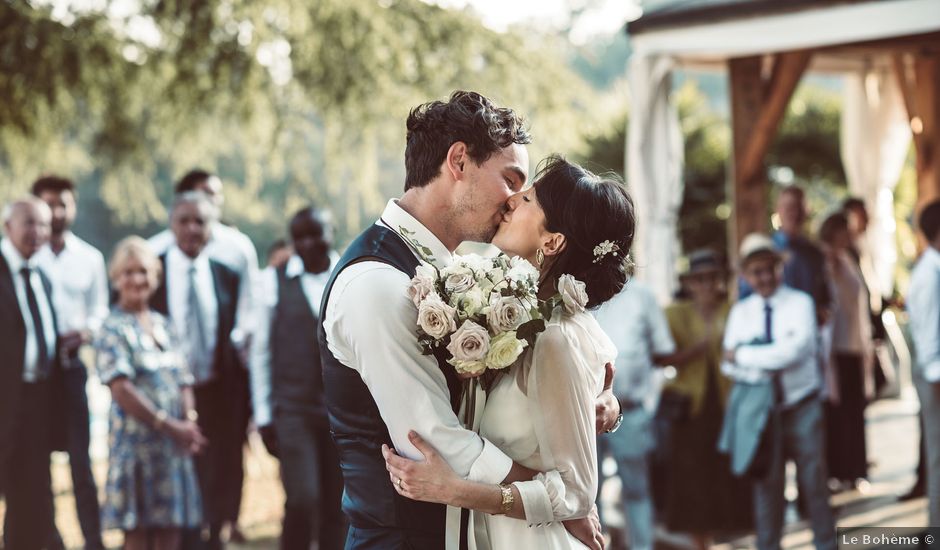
597, 217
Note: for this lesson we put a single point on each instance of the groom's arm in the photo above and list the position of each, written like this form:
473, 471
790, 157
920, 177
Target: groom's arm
371, 327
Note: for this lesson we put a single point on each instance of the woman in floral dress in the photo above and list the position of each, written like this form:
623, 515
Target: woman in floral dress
152, 492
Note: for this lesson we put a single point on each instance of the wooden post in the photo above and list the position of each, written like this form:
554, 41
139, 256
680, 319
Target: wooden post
926, 126
757, 107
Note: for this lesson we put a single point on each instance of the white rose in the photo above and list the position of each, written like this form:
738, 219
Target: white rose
422, 284
474, 368
472, 301
475, 262
435, 317
504, 350
458, 279
506, 313
521, 270
471, 342
573, 294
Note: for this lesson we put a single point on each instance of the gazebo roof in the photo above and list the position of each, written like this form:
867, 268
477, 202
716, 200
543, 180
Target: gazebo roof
678, 13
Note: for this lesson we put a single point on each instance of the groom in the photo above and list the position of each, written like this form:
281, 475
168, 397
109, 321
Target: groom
463, 159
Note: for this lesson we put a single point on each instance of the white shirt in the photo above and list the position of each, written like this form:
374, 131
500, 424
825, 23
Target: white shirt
371, 327
177, 289
313, 285
792, 351
16, 263
851, 319
638, 328
79, 284
923, 306
229, 246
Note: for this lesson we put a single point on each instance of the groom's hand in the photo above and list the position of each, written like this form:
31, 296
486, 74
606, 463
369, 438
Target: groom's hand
587, 530
606, 407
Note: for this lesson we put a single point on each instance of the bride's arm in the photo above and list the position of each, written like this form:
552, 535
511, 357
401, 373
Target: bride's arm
432, 480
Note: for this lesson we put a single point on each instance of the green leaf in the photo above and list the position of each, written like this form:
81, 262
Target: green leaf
529, 329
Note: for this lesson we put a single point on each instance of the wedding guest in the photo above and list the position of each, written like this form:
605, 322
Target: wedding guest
853, 382
702, 497
923, 306
771, 336
151, 492
80, 300
30, 377
201, 298
287, 387
636, 325
804, 266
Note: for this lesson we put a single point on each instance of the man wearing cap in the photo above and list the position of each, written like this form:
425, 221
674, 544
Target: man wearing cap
770, 342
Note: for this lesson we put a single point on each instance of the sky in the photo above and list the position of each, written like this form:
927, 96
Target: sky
605, 17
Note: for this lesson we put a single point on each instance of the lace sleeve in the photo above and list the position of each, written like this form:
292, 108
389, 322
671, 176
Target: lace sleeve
563, 384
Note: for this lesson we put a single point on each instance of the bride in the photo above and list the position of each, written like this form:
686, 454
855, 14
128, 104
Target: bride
577, 228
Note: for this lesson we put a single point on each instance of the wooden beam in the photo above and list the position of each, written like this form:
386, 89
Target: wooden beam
749, 197
926, 125
900, 67
787, 71
757, 107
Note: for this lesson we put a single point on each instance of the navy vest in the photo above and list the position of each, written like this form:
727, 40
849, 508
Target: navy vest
296, 377
380, 518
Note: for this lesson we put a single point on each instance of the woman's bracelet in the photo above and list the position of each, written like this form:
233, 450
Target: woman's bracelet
507, 498
159, 420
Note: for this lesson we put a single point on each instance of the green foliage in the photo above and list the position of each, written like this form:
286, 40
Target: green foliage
289, 101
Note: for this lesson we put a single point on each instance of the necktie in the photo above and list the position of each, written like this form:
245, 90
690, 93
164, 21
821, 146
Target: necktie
199, 358
42, 364
769, 337
768, 322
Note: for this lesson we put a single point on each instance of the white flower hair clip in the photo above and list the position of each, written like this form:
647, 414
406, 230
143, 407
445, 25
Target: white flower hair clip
603, 249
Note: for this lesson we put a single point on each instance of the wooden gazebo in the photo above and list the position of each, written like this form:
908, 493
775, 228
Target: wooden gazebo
890, 48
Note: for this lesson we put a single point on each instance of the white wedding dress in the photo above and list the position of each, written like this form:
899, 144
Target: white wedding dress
541, 414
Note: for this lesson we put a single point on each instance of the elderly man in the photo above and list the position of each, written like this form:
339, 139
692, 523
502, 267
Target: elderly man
80, 300
923, 305
200, 296
30, 378
770, 339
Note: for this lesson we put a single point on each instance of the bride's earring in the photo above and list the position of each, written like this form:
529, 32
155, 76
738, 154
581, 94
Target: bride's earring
539, 257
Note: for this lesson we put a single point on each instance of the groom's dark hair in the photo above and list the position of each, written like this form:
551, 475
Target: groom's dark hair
467, 117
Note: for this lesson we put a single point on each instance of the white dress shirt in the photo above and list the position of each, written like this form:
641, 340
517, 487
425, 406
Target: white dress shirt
177, 289
229, 246
371, 327
79, 284
31, 355
313, 285
923, 306
638, 328
792, 351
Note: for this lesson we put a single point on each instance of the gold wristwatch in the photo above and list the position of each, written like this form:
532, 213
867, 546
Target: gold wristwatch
508, 499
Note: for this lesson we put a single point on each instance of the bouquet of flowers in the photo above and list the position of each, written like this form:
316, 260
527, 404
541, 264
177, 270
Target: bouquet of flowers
482, 311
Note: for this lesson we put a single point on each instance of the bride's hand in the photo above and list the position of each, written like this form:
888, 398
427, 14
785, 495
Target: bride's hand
430, 480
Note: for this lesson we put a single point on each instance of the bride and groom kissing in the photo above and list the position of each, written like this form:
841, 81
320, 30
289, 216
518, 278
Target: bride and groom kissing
524, 473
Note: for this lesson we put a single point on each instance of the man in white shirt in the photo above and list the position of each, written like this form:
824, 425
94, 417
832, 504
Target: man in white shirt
923, 305
464, 158
226, 243
287, 386
771, 335
637, 326
80, 300
30, 378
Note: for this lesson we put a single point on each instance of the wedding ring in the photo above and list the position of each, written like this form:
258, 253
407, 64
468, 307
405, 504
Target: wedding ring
399, 483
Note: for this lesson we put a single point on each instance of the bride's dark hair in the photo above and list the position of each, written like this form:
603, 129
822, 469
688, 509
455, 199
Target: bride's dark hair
588, 210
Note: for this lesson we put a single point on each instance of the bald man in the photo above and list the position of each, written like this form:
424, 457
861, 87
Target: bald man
29, 375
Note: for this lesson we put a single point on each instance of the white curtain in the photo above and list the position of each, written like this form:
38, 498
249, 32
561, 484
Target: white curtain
875, 139
654, 172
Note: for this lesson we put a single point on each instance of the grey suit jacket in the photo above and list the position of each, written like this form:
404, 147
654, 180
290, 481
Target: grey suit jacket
748, 411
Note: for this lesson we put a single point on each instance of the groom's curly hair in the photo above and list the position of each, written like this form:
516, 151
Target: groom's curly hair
467, 117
